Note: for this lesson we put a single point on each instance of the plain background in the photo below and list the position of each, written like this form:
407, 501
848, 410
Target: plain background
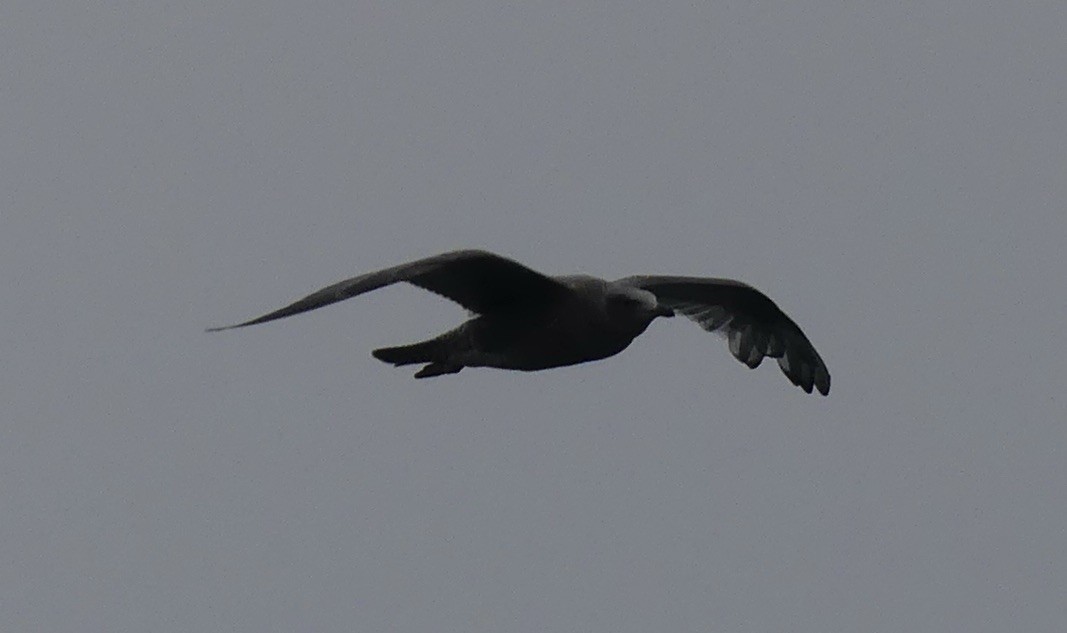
893, 174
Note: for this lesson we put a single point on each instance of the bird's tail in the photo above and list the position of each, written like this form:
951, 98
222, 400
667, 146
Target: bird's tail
433, 352
424, 352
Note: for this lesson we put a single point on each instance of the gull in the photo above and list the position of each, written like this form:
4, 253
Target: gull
524, 320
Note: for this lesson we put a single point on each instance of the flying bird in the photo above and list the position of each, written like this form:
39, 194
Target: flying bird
524, 320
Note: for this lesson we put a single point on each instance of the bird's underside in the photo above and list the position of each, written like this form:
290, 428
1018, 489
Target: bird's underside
527, 321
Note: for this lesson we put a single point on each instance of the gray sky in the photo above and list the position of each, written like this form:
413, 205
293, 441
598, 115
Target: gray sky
892, 174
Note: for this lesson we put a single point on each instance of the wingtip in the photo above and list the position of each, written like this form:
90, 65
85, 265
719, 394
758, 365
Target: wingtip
221, 328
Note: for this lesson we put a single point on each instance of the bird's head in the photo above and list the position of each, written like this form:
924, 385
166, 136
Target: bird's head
635, 305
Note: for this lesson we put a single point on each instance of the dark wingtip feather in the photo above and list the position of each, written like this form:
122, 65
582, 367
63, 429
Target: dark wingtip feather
223, 328
822, 380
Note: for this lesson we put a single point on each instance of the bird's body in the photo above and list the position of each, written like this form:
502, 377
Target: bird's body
576, 329
527, 321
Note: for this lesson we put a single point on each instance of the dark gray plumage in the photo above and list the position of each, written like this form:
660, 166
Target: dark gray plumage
528, 321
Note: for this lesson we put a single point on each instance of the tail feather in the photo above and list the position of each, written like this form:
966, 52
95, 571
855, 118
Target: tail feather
437, 353
437, 369
424, 352
407, 354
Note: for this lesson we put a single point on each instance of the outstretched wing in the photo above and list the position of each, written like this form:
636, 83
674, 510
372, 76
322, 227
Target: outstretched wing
477, 280
754, 326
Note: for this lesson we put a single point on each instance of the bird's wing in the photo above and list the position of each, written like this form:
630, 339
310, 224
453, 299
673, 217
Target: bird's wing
479, 281
754, 326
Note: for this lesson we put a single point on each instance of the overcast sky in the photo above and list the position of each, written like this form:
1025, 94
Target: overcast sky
893, 174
